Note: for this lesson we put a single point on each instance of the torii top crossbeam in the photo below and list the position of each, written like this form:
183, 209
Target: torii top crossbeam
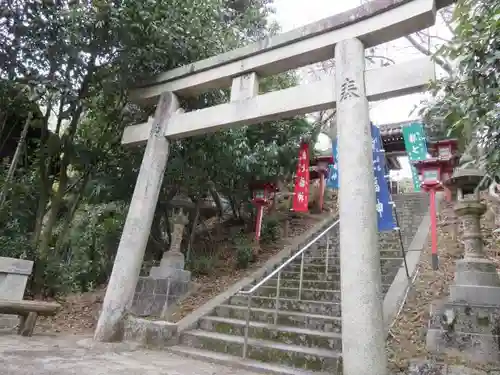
373, 23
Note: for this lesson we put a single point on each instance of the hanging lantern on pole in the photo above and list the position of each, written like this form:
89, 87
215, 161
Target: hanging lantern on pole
431, 173
263, 193
446, 150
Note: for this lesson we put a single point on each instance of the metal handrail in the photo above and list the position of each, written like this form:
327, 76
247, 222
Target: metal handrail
293, 257
249, 293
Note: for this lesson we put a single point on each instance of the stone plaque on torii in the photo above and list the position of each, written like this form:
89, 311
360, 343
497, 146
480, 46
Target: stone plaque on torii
344, 37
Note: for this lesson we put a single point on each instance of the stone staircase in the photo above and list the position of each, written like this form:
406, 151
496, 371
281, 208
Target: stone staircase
296, 328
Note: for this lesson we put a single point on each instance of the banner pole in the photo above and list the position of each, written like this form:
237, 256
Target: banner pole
435, 260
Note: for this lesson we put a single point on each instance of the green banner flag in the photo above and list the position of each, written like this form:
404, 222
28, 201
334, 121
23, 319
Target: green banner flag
416, 147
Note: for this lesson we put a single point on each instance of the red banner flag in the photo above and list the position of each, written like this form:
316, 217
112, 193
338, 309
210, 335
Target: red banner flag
301, 196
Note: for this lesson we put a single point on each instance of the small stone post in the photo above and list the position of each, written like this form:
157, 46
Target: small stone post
363, 333
128, 261
172, 263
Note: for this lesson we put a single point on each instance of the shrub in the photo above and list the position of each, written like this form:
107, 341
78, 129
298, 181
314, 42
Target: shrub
244, 256
244, 251
271, 230
201, 265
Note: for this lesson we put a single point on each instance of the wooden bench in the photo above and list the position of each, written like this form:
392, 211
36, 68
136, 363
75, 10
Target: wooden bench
28, 312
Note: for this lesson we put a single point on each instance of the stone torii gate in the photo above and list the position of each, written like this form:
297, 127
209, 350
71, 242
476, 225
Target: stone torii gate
344, 36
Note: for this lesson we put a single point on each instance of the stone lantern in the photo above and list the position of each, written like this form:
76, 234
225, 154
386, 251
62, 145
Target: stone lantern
468, 320
475, 271
167, 283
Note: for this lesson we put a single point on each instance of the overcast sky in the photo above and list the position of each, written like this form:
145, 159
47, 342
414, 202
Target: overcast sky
291, 14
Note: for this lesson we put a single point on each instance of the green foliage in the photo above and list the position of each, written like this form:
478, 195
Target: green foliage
73, 64
244, 251
244, 256
271, 229
466, 104
202, 265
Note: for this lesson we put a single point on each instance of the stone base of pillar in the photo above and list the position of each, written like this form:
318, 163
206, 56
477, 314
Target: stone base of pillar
8, 322
165, 286
171, 266
476, 282
155, 297
472, 330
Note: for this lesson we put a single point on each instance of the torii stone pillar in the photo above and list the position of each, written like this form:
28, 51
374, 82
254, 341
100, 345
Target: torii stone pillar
363, 340
128, 261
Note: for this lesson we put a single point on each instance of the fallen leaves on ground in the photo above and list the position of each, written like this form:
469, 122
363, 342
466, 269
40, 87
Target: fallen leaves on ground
80, 312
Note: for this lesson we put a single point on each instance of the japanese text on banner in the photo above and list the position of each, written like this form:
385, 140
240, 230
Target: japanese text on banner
385, 218
333, 172
416, 147
383, 207
301, 196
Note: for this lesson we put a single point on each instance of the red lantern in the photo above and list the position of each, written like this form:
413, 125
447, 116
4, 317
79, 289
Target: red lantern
262, 195
446, 150
320, 168
430, 172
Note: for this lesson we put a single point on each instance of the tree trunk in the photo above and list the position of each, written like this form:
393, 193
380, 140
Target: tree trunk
61, 240
233, 207
216, 197
15, 160
48, 228
193, 230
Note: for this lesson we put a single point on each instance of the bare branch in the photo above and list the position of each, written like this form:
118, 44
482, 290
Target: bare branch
443, 64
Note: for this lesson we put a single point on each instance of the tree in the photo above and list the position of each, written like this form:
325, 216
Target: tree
466, 104
76, 60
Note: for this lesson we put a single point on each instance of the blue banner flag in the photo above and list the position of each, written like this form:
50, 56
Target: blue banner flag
383, 206
333, 173
385, 219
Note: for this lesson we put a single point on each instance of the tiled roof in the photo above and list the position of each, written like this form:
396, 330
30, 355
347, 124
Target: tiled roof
394, 129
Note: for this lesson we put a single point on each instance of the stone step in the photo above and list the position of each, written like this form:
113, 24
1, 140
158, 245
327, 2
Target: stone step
320, 286
320, 276
311, 267
330, 277
319, 259
334, 258
305, 294
307, 284
390, 266
238, 362
324, 323
387, 265
391, 253
314, 359
288, 304
270, 332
